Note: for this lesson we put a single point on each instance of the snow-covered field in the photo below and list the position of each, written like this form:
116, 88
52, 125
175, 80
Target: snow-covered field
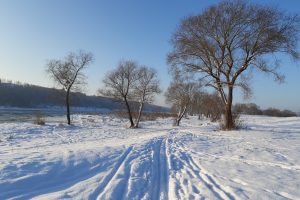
99, 158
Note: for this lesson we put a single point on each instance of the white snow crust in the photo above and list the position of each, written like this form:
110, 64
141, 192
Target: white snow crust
100, 158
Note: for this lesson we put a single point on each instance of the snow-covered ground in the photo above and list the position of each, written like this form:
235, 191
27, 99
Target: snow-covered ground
99, 158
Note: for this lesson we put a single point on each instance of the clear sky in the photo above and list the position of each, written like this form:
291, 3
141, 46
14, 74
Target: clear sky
34, 31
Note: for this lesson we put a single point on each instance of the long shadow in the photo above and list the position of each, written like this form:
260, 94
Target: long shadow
57, 177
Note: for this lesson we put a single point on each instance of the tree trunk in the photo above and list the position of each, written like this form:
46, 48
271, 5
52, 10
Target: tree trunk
139, 115
68, 107
129, 113
229, 125
180, 115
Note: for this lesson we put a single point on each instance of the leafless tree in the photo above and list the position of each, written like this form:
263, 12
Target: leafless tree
181, 94
229, 39
146, 87
68, 73
197, 107
120, 84
211, 106
206, 104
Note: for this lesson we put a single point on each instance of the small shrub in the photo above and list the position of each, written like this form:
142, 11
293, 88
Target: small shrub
215, 116
39, 118
152, 116
60, 125
146, 116
238, 123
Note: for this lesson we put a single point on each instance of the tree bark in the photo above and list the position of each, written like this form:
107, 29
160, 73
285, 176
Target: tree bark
229, 125
68, 107
139, 115
129, 113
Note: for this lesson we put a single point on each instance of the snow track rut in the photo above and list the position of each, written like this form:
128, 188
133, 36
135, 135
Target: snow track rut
160, 169
192, 180
141, 172
108, 180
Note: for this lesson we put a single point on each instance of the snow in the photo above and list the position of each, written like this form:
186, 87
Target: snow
100, 158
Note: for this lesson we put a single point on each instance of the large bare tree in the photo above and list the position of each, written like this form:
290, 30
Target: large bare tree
145, 89
120, 83
68, 73
226, 40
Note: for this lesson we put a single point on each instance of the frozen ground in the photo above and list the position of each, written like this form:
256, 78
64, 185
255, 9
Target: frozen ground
98, 158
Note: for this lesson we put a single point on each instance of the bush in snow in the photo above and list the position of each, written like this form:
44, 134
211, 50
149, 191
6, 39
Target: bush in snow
237, 122
39, 118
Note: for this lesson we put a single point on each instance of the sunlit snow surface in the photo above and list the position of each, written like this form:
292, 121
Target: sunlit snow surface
99, 158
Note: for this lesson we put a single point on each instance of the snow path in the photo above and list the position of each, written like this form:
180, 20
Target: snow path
191, 170
99, 159
107, 183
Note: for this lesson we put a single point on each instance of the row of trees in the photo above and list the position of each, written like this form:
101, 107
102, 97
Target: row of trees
199, 103
253, 109
188, 96
129, 82
136, 84
222, 46
2, 80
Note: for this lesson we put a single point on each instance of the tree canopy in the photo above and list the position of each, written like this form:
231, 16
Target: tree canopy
228, 39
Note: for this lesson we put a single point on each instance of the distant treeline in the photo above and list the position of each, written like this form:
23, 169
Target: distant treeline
32, 96
253, 109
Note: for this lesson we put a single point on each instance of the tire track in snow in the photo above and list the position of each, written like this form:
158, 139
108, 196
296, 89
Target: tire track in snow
106, 183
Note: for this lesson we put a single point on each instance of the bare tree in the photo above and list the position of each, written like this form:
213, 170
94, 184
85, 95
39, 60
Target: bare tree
181, 94
146, 87
197, 106
68, 73
211, 106
120, 84
230, 38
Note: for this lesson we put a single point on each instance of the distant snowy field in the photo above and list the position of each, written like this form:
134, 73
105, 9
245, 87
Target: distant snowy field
99, 158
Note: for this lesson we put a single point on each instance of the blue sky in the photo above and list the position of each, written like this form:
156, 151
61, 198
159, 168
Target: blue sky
34, 31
